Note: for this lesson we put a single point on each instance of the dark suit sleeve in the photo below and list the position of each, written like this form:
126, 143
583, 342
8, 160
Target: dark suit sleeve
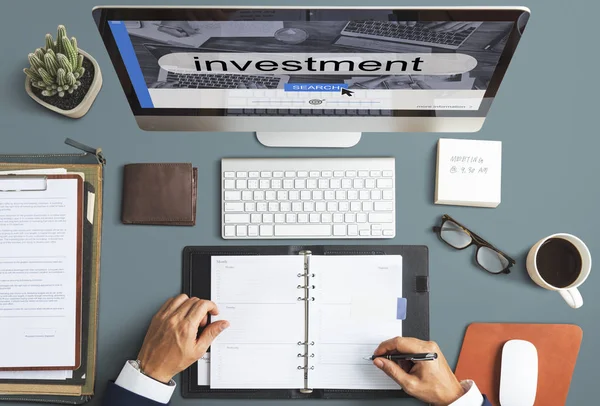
117, 396
486, 402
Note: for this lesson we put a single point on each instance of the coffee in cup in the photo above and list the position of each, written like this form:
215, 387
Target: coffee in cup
560, 262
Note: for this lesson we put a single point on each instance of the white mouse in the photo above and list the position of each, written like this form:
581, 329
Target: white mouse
518, 373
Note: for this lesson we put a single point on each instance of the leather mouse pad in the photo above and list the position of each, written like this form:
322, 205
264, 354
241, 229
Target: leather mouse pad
557, 346
161, 194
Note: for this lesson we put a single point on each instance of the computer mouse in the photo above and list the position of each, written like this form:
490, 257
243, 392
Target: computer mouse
518, 373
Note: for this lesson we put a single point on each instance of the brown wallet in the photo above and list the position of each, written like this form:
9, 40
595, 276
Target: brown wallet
160, 194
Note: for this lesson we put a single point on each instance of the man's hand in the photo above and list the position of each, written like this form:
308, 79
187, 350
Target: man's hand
171, 345
430, 381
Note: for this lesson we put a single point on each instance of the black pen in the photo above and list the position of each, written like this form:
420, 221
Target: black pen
429, 356
498, 39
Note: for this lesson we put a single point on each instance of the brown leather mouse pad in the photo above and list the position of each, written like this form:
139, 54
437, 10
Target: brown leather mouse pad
557, 346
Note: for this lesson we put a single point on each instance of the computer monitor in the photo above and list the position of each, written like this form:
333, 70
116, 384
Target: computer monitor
313, 76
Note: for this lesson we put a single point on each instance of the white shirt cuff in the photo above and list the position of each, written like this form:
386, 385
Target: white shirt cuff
472, 396
134, 381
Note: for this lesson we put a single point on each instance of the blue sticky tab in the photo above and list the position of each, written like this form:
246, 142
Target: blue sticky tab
401, 308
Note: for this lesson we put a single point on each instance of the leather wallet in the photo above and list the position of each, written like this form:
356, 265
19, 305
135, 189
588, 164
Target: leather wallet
160, 194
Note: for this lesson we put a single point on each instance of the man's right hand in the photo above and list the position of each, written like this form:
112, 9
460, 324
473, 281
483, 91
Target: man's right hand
430, 381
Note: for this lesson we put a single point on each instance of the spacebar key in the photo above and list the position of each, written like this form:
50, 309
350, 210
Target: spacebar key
302, 230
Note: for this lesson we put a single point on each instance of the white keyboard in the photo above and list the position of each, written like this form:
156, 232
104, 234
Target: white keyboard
308, 198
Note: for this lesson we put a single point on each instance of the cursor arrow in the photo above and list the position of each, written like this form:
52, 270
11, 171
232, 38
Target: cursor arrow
346, 92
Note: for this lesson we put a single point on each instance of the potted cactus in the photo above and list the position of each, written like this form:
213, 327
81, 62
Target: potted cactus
62, 77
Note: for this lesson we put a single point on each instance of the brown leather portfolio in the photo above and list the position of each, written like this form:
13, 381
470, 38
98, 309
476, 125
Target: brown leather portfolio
557, 346
160, 194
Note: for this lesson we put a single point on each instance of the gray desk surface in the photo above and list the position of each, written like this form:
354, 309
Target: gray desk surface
544, 114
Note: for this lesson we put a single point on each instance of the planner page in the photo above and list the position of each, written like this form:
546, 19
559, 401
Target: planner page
258, 295
355, 308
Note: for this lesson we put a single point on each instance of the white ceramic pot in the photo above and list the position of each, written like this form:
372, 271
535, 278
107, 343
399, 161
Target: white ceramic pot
87, 101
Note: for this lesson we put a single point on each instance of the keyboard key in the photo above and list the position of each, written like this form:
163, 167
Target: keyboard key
241, 231
266, 231
314, 174
388, 174
384, 206
385, 183
355, 206
279, 218
294, 195
234, 206
338, 218
252, 184
340, 195
367, 206
339, 230
246, 195
285, 207
253, 174
326, 174
352, 230
276, 183
261, 207
375, 194
388, 195
376, 174
290, 218
323, 184
233, 195
259, 195
359, 183
229, 231
288, 184
352, 195
364, 195
229, 174
315, 218
346, 183
335, 183
241, 174
363, 174
302, 218
302, 230
278, 174
264, 184
273, 207
270, 195
256, 218
296, 207
351, 174
300, 184
376, 233
267, 218
229, 184
252, 231
326, 218
388, 233
338, 174
320, 206
370, 183
332, 207
349, 217
311, 183
249, 207
241, 184
317, 195
343, 206
266, 174
302, 174
381, 218
364, 233
290, 174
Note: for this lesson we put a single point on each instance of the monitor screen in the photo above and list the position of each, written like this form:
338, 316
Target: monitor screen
339, 62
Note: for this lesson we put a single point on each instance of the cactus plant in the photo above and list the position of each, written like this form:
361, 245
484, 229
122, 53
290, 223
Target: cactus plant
56, 68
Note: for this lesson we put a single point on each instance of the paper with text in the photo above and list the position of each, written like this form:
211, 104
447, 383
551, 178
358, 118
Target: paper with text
38, 276
353, 312
259, 297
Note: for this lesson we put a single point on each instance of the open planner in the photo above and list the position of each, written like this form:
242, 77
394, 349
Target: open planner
301, 322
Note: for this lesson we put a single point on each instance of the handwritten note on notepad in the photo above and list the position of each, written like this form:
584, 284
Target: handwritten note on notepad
469, 173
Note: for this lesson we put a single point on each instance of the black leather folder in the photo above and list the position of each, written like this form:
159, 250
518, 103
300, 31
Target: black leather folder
197, 282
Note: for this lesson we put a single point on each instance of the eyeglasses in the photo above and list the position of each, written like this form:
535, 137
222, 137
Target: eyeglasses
460, 237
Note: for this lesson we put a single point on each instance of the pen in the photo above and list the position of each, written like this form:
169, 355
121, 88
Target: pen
497, 40
430, 356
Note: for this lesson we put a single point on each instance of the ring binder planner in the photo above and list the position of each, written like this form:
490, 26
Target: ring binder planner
306, 286
305, 363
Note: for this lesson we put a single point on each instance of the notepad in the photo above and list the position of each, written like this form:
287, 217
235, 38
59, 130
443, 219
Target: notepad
40, 271
469, 173
303, 321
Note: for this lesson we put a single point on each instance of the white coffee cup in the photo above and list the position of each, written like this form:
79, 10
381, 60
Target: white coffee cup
569, 293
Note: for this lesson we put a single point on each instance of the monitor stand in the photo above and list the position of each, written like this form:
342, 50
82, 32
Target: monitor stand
309, 139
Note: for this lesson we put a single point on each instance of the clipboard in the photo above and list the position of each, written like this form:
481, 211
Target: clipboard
38, 183
415, 282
